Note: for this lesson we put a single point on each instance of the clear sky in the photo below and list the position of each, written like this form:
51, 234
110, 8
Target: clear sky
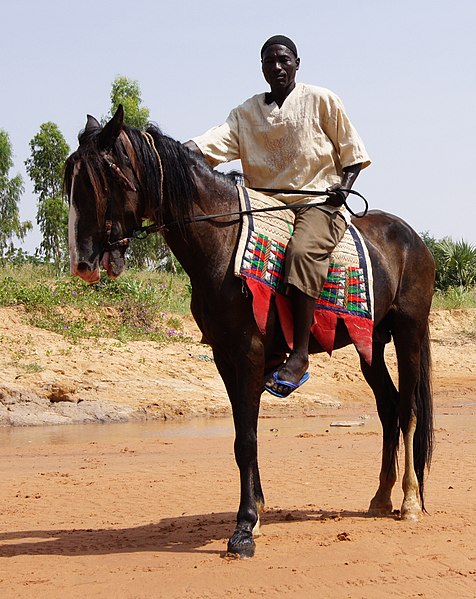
405, 71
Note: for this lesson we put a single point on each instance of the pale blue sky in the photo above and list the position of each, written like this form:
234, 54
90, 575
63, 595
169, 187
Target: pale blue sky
405, 71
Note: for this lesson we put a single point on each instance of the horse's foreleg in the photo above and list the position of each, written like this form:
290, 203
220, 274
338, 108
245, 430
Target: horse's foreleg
247, 519
381, 503
259, 498
243, 378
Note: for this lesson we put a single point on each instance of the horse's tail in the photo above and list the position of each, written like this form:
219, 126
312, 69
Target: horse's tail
423, 439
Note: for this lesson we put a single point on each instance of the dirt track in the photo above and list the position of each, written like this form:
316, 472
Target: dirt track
135, 511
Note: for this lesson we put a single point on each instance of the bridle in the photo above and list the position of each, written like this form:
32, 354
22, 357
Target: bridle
108, 245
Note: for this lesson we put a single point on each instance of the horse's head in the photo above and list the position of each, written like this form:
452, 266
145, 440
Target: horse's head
102, 186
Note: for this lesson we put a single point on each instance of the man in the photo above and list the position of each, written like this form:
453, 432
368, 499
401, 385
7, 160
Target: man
295, 136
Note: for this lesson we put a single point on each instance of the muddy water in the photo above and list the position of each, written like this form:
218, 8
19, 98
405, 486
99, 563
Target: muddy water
196, 428
199, 428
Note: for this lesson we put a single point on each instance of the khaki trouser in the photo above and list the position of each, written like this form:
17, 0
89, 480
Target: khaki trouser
316, 234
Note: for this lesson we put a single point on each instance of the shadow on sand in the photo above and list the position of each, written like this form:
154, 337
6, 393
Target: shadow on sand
189, 533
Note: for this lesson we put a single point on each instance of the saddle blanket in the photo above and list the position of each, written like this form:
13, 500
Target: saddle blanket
347, 294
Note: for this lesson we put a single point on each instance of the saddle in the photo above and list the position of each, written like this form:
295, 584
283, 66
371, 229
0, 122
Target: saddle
347, 294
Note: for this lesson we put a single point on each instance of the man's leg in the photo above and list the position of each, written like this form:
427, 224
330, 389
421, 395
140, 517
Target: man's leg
316, 234
298, 362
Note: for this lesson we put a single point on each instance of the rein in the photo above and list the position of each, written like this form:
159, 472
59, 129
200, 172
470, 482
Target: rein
341, 192
144, 231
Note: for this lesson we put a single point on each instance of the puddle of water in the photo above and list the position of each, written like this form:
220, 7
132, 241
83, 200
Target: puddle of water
97, 433
191, 429
201, 428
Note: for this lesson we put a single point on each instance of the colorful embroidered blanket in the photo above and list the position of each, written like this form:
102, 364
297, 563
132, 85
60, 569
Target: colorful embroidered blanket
347, 293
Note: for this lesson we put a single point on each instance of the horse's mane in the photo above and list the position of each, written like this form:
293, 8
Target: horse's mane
173, 177
169, 188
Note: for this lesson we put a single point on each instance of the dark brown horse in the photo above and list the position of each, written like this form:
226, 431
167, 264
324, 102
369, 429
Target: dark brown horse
120, 176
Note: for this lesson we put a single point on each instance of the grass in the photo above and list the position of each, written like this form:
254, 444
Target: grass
453, 298
138, 305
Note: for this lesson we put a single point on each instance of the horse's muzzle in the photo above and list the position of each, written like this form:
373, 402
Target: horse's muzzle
86, 271
113, 263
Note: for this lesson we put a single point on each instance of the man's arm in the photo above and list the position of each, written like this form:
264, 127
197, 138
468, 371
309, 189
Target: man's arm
192, 146
218, 144
350, 174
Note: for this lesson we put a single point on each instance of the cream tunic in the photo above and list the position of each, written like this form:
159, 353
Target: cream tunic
305, 144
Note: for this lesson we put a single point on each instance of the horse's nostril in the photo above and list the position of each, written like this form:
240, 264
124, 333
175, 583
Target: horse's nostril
84, 267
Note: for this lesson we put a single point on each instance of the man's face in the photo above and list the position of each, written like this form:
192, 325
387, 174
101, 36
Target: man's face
279, 66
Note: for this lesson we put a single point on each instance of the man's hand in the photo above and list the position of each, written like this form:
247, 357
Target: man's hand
336, 196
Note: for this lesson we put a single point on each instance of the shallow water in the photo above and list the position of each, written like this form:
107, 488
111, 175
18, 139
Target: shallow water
195, 428
200, 428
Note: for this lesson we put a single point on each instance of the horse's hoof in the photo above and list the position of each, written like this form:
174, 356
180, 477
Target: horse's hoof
241, 544
411, 516
411, 511
380, 509
379, 512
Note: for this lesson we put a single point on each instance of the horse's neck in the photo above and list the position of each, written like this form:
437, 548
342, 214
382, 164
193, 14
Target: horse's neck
217, 194
205, 248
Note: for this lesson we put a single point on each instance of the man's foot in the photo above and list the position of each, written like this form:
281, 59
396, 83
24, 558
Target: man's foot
289, 377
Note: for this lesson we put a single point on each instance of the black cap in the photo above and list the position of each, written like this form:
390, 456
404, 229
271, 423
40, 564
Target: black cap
281, 40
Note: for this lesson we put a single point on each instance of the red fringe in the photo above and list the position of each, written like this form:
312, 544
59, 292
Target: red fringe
325, 321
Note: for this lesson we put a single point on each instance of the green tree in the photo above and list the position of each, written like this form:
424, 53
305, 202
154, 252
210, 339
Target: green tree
11, 190
49, 151
150, 252
127, 92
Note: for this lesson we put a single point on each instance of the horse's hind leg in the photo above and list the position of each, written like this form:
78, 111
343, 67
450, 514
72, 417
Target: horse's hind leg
412, 345
386, 396
411, 508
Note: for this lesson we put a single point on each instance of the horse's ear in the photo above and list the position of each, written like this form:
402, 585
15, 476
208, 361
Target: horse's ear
91, 123
112, 128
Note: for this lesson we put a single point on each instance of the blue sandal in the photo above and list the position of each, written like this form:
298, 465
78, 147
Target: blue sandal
291, 386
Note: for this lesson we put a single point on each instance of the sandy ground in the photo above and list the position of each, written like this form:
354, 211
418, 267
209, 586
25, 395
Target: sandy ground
144, 509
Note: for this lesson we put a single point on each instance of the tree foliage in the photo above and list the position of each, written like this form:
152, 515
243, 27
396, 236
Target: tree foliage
127, 92
455, 262
49, 151
11, 190
151, 252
